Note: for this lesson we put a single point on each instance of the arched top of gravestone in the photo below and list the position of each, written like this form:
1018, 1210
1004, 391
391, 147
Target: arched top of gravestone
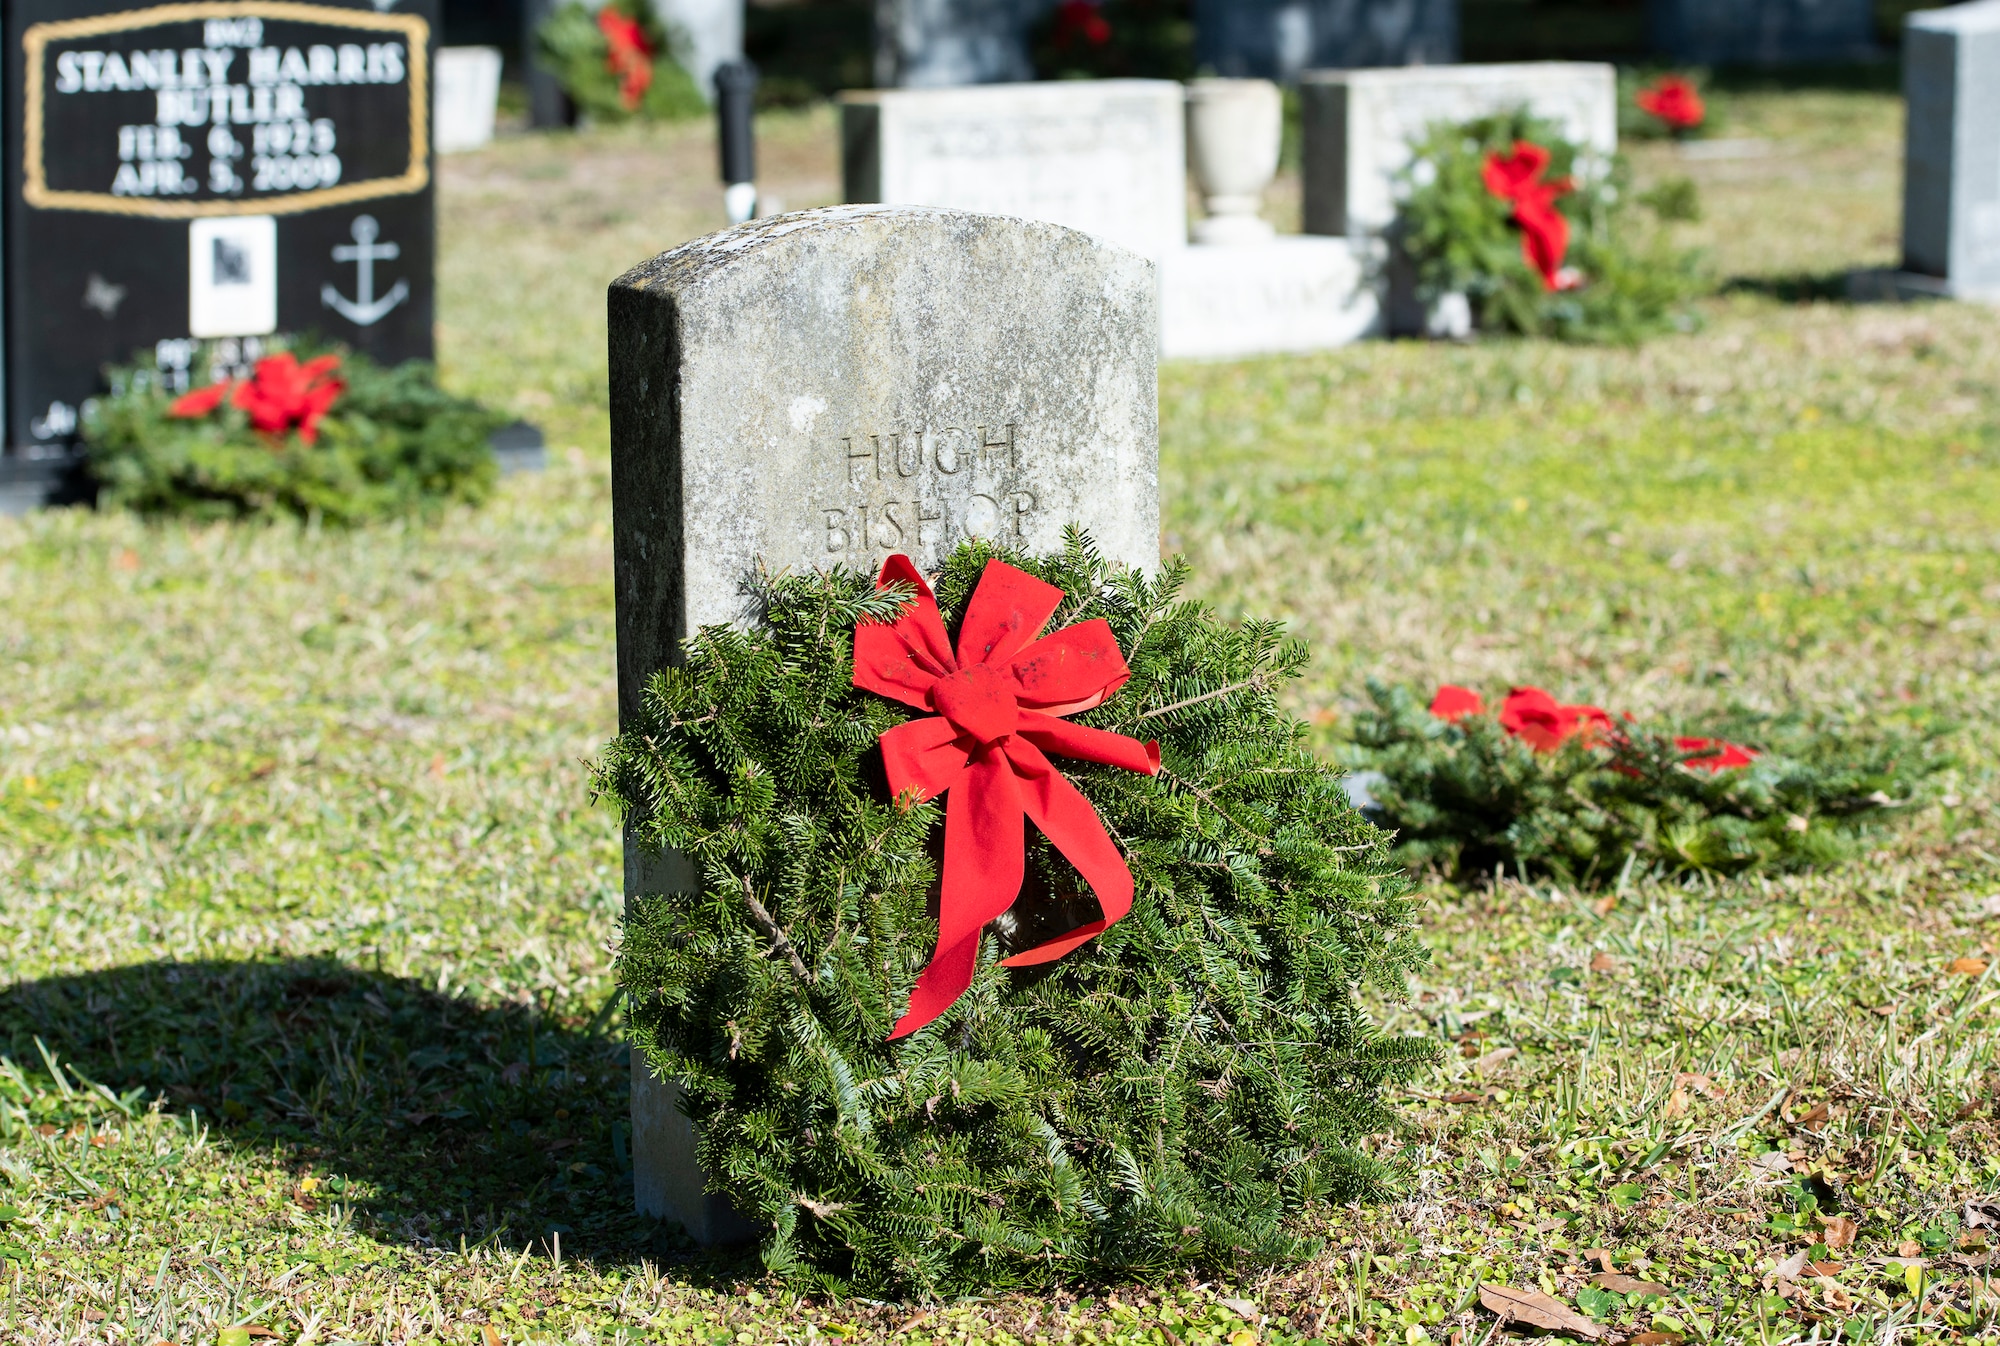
938, 240
824, 388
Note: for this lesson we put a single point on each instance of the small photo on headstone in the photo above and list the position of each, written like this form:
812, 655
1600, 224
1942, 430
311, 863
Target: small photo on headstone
233, 276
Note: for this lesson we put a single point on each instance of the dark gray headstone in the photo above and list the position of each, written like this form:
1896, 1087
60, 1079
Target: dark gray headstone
1951, 183
171, 178
1277, 39
1762, 32
940, 44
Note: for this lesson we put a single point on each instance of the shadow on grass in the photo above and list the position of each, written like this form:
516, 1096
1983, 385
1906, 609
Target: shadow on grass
434, 1117
1801, 287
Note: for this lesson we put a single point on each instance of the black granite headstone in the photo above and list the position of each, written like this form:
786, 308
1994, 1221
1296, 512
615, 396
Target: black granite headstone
228, 169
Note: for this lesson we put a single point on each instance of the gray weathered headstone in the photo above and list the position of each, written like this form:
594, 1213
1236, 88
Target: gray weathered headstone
1277, 39
827, 387
1951, 175
1762, 32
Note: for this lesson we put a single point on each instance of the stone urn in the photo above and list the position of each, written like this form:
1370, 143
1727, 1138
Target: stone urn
1233, 130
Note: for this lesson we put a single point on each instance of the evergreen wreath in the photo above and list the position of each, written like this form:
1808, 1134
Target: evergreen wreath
1469, 794
616, 62
1459, 237
1177, 1092
343, 439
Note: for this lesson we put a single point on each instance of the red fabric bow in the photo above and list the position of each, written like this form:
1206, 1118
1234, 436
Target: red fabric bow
1517, 179
280, 395
199, 403
283, 394
1080, 21
1453, 704
998, 703
1674, 101
1714, 755
629, 55
1545, 724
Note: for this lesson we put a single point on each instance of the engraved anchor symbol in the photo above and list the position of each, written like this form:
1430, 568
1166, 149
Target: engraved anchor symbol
365, 310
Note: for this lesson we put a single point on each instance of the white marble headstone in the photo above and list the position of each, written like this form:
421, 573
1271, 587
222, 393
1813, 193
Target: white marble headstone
465, 97
1104, 156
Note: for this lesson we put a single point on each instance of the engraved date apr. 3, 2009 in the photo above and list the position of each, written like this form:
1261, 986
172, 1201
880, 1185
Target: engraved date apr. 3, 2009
913, 489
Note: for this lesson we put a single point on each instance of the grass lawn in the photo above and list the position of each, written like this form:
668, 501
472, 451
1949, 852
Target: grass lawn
307, 919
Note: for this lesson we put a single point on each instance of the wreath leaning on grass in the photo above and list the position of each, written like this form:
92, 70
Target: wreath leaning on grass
1461, 225
1546, 788
1179, 1091
335, 437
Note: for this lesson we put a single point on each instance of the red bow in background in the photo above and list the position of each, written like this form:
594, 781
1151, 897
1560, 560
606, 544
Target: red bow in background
1517, 179
1545, 724
1674, 101
998, 703
630, 56
280, 395
1080, 21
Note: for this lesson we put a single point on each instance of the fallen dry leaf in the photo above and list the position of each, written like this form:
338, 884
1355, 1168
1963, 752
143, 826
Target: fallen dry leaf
1909, 1248
1968, 967
1840, 1231
488, 1336
1817, 1117
1825, 1268
1536, 1309
1656, 1338
1601, 1256
1701, 1084
1242, 1308
1676, 1104
1604, 962
1618, 1283
1494, 1058
1885, 1010
1603, 905
1465, 1098
1790, 1268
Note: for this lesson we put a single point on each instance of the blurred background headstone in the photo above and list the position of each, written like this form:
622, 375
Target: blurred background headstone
466, 97
188, 173
1104, 156
1951, 183
1762, 32
1278, 39
932, 44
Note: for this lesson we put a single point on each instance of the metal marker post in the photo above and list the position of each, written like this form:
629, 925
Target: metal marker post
735, 95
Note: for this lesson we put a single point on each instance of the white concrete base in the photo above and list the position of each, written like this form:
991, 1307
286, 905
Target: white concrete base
1293, 293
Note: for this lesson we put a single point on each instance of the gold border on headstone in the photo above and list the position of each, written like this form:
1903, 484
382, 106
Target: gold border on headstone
35, 190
